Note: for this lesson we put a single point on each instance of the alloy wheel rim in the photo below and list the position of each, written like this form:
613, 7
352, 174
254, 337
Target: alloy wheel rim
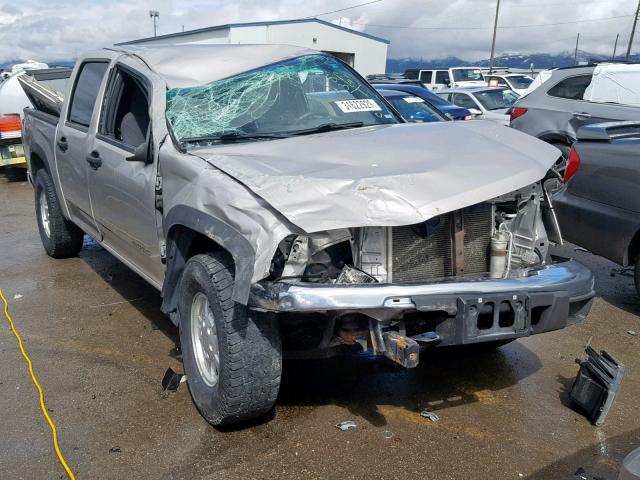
44, 214
204, 339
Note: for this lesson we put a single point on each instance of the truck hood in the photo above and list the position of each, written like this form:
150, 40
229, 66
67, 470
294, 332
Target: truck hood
384, 175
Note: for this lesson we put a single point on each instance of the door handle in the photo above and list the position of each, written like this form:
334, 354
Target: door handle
581, 115
62, 144
94, 160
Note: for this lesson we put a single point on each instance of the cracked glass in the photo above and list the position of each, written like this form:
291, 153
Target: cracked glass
302, 94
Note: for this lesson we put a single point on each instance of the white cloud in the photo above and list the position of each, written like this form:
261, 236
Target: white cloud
49, 30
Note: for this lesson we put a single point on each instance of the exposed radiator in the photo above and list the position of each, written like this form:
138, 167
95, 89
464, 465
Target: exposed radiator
425, 251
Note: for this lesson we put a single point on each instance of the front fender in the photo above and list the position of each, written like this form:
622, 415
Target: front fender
225, 236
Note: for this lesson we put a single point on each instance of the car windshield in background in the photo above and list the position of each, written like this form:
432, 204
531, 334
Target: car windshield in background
414, 109
496, 99
302, 95
467, 75
520, 81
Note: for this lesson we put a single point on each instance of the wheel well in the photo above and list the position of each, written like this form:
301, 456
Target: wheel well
182, 244
36, 163
634, 248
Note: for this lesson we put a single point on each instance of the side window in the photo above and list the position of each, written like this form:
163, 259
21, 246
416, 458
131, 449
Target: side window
125, 116
572, 88
442, 77
85, 92
463, 100
425, 76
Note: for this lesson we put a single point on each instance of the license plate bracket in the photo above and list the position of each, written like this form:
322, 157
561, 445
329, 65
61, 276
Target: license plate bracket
494, 317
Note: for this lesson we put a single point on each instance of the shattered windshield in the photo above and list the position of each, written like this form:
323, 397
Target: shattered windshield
295, 96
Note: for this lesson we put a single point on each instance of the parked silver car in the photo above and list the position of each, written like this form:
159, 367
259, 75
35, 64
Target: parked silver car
282, 207
555, 110
599, 208
489, 103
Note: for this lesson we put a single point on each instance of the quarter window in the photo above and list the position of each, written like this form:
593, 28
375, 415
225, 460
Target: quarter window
572, 88
86, 91
425, 76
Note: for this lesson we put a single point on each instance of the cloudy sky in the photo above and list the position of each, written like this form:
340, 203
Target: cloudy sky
49, 30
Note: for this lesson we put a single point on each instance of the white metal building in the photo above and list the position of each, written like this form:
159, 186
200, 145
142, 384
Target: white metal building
366, 53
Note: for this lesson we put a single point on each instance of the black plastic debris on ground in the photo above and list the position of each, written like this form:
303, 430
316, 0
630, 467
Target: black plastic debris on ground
171, 380
597, 384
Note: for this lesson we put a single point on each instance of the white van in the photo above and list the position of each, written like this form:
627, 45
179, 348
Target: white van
439, 78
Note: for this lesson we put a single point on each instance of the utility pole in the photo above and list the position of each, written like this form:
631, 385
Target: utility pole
493, 42
154, 14
615, 48
633, 30
575, 57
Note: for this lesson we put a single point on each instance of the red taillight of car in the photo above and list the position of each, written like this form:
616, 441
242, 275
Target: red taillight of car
573, 163
517, 112
10, 127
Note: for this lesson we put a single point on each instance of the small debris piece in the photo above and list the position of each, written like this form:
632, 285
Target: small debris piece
171, 380
348, 425
597, 384
115, 450
580, 249
387, 434
430, 415
581, 473
183, 379
17, 296
633, 333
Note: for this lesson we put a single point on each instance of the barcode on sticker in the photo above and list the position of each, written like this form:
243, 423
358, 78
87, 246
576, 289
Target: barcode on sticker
364, 105
413, 99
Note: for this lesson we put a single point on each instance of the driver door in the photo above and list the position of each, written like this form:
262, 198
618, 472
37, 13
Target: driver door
122, 176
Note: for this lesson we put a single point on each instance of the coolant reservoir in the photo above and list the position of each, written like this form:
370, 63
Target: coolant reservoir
499, 254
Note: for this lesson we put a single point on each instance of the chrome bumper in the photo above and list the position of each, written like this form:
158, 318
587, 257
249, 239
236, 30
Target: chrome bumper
568, 277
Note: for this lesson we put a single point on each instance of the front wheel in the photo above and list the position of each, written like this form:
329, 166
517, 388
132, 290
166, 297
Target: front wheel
60, 238
232, 356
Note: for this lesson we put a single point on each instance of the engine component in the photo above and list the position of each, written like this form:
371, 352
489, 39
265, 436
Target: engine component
500, 243
354, 275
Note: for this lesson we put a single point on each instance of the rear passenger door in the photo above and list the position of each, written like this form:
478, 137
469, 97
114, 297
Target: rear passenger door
426, 77
441, 80
73, 141
123, 177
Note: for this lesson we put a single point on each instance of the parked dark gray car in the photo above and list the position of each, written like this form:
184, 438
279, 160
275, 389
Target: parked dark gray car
555, 110
599, 208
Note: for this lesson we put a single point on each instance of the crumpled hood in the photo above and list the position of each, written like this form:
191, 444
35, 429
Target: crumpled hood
385, 175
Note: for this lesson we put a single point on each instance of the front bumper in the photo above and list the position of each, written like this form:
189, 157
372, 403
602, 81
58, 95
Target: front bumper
535, 300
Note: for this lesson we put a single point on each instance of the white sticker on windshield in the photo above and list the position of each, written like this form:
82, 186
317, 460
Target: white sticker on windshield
413, 99
352, 106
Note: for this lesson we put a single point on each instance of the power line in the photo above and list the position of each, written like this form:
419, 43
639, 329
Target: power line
346, 8
400, 27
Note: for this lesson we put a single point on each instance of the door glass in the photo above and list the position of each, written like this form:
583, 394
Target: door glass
425, 76
442, 77
86, 91
572, 88
463, 100
126, 119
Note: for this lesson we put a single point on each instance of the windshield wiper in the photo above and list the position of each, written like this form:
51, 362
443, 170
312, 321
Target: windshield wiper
234, 136
327, 127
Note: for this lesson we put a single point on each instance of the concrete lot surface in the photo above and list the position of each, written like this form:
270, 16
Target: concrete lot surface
89, 325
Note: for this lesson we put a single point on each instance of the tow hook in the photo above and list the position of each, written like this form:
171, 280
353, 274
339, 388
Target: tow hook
402, 350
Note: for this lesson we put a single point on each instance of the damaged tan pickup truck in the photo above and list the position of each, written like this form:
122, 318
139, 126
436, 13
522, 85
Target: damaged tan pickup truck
282, 207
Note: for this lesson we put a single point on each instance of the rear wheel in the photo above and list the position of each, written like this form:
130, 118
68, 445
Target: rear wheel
232, 356
60, 238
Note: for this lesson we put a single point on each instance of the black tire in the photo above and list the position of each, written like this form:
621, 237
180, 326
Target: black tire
637, 274
15, 174
63, 239
249, 346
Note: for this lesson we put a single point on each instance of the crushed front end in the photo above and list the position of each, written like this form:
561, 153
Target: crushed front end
478, 274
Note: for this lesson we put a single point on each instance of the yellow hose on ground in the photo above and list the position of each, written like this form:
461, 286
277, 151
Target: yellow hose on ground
43, 407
